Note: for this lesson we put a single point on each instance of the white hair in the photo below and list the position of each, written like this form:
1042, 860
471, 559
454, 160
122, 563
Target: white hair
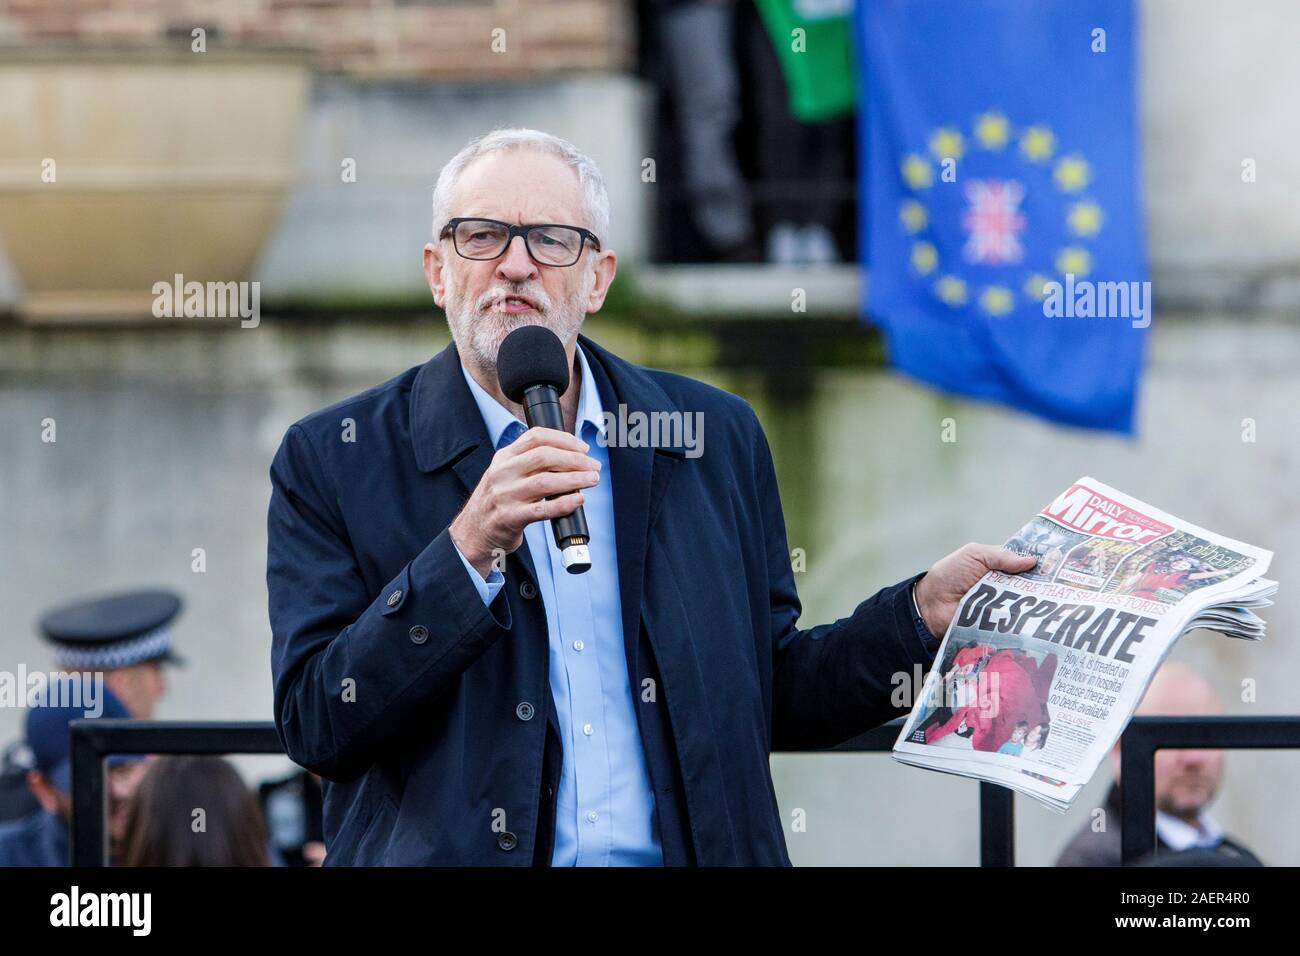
594, 196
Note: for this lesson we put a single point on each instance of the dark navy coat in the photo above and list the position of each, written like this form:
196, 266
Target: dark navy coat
430, 715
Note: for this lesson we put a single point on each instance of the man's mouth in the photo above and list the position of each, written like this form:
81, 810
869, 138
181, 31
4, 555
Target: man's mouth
513, 304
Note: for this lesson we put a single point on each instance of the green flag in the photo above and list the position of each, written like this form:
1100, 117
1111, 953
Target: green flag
814, 44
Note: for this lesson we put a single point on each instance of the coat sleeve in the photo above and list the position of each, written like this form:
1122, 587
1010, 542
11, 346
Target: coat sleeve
834, 681
353, 670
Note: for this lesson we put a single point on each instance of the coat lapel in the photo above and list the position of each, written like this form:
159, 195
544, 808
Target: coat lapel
447, 430
640, 477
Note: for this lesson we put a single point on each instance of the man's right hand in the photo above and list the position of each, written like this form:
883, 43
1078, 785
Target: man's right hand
514, 489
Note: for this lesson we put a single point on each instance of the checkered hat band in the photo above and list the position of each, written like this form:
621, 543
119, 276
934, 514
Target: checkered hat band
146, 647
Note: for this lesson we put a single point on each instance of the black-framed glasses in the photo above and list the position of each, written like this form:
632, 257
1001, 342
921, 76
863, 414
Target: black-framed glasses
548, 243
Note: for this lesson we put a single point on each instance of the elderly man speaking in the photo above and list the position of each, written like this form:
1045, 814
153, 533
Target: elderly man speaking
466, 698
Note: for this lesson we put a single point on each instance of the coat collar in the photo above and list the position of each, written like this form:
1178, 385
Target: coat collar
447, 430
499, 421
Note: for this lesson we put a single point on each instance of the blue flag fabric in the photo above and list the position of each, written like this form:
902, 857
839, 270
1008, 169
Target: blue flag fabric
1001, 221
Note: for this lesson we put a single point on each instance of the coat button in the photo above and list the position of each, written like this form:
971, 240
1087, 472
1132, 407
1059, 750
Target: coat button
524, 711
419, 634
507, 841
527, 590
394, 598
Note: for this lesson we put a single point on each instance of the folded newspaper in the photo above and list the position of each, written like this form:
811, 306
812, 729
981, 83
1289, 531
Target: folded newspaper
1040, 672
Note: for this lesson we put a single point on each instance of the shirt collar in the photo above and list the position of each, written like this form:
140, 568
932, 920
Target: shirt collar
499, 421
1181, 835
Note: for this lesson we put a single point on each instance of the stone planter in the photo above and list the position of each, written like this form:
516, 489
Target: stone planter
122, 167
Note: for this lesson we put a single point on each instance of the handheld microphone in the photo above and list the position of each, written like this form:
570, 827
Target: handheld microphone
533, 371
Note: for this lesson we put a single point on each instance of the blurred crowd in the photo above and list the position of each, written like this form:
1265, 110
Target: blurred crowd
162, 810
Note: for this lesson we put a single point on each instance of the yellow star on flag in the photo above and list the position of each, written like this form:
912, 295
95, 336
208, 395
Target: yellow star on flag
917, 172
951, 290
1084, 218
924, 257
1034, 286
947, 143
1037, 143
1071, 173
1073, 259
997, 300
992, 130
913, 215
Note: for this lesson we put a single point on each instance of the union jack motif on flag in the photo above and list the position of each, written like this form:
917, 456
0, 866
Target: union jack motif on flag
994, 221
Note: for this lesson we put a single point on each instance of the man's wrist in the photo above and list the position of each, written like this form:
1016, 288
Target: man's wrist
916, 609
479, 558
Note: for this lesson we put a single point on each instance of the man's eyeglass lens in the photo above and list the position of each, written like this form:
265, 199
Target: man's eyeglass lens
554, 245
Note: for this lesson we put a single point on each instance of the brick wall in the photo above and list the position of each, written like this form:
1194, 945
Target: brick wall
447, 39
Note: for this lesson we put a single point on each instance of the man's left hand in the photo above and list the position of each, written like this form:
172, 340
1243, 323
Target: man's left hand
944, 585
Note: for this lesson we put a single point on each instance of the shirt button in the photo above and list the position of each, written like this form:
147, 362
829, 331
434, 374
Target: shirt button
593, 816
578, 645
588, 729
394, 598
524, 711
527, 590
419, 634
507, 841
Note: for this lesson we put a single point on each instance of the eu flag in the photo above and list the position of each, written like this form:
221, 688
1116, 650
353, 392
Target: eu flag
1000, 176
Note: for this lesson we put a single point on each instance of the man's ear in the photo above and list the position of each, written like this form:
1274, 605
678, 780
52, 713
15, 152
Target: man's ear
606, 265
433, 263
43, 791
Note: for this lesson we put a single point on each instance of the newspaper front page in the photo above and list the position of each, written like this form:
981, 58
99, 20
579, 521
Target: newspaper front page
1040, 672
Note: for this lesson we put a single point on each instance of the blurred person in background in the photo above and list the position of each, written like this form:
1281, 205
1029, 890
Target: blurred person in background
194, 811
293, 806
126, 637
40, 838
696, 40
1187, 782
801, 79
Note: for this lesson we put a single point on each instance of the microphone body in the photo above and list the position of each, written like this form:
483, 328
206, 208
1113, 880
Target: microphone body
542, 410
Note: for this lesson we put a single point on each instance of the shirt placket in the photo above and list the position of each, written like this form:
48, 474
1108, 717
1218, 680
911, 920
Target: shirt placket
567, 598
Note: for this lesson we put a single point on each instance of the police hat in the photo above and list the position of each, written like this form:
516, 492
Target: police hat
116, 631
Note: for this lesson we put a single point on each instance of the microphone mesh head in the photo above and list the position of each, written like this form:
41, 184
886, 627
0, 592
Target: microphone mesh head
531, 355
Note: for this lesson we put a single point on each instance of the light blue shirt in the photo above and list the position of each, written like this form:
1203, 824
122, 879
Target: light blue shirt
605, 811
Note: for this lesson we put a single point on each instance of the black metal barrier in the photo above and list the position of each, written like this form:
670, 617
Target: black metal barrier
1145, 735
93, 740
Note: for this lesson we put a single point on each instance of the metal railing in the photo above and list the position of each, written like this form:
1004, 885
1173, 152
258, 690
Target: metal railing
94, 740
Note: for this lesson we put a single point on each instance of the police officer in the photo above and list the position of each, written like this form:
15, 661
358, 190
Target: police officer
41, 837
127, 637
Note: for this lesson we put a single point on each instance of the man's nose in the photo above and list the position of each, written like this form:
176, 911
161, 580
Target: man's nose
515, 264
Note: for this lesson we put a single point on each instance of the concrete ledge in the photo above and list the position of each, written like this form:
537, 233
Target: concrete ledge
756, 289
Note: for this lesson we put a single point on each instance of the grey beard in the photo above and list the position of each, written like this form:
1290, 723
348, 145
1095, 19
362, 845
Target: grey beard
478, 337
